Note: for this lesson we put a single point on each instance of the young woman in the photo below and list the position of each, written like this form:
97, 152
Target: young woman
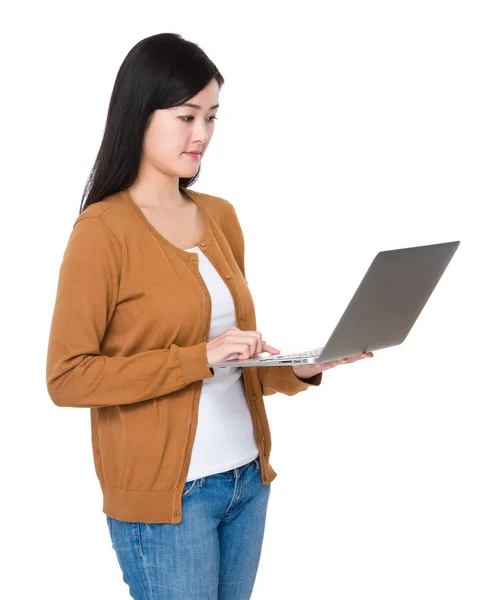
151, 289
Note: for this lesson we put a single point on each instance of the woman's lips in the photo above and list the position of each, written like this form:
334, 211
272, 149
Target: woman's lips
192, 154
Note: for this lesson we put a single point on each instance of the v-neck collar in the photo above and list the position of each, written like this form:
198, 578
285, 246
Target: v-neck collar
206, 238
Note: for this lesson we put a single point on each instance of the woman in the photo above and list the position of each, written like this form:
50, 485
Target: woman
151, 289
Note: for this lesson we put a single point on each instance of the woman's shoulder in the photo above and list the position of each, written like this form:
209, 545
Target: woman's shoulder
111, 211
212, 201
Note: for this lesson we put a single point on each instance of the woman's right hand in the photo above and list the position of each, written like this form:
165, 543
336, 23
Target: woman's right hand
234, 340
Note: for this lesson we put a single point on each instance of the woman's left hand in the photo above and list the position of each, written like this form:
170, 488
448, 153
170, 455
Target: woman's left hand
307, 371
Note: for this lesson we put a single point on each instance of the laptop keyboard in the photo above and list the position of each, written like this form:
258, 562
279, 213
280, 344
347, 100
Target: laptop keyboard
307, 354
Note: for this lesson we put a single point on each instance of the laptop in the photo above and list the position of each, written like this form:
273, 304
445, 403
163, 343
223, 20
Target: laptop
382, 311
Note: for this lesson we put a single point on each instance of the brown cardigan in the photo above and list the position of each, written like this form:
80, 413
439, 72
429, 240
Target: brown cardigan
128, 340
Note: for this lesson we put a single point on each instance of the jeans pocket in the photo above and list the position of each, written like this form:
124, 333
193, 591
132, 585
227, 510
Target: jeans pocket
189, 488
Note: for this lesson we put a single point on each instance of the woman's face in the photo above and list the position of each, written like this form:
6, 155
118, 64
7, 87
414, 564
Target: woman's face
172, 132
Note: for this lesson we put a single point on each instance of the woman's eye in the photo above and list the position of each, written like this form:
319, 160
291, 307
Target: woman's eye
190, 117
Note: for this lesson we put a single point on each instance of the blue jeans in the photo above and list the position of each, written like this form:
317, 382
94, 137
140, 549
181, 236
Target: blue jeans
212, 554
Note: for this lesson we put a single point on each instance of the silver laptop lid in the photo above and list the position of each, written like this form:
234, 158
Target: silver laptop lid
389, 299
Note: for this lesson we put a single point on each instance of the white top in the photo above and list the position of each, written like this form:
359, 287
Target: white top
225, 435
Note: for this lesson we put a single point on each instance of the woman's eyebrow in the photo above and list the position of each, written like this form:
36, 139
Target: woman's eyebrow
196, 106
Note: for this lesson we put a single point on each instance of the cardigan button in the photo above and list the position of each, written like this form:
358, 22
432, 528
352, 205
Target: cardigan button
203, 243
228, 276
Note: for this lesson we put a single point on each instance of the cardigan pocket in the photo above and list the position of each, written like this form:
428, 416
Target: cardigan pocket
128, 442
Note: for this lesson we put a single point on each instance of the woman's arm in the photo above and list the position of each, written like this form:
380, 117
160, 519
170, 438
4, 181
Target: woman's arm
88, 287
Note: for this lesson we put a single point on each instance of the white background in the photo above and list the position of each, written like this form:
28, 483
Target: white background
345, 128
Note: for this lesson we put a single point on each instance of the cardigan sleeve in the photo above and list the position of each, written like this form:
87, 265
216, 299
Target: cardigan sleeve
77, 374
280, 378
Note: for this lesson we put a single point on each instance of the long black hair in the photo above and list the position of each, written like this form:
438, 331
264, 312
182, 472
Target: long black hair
160, 71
